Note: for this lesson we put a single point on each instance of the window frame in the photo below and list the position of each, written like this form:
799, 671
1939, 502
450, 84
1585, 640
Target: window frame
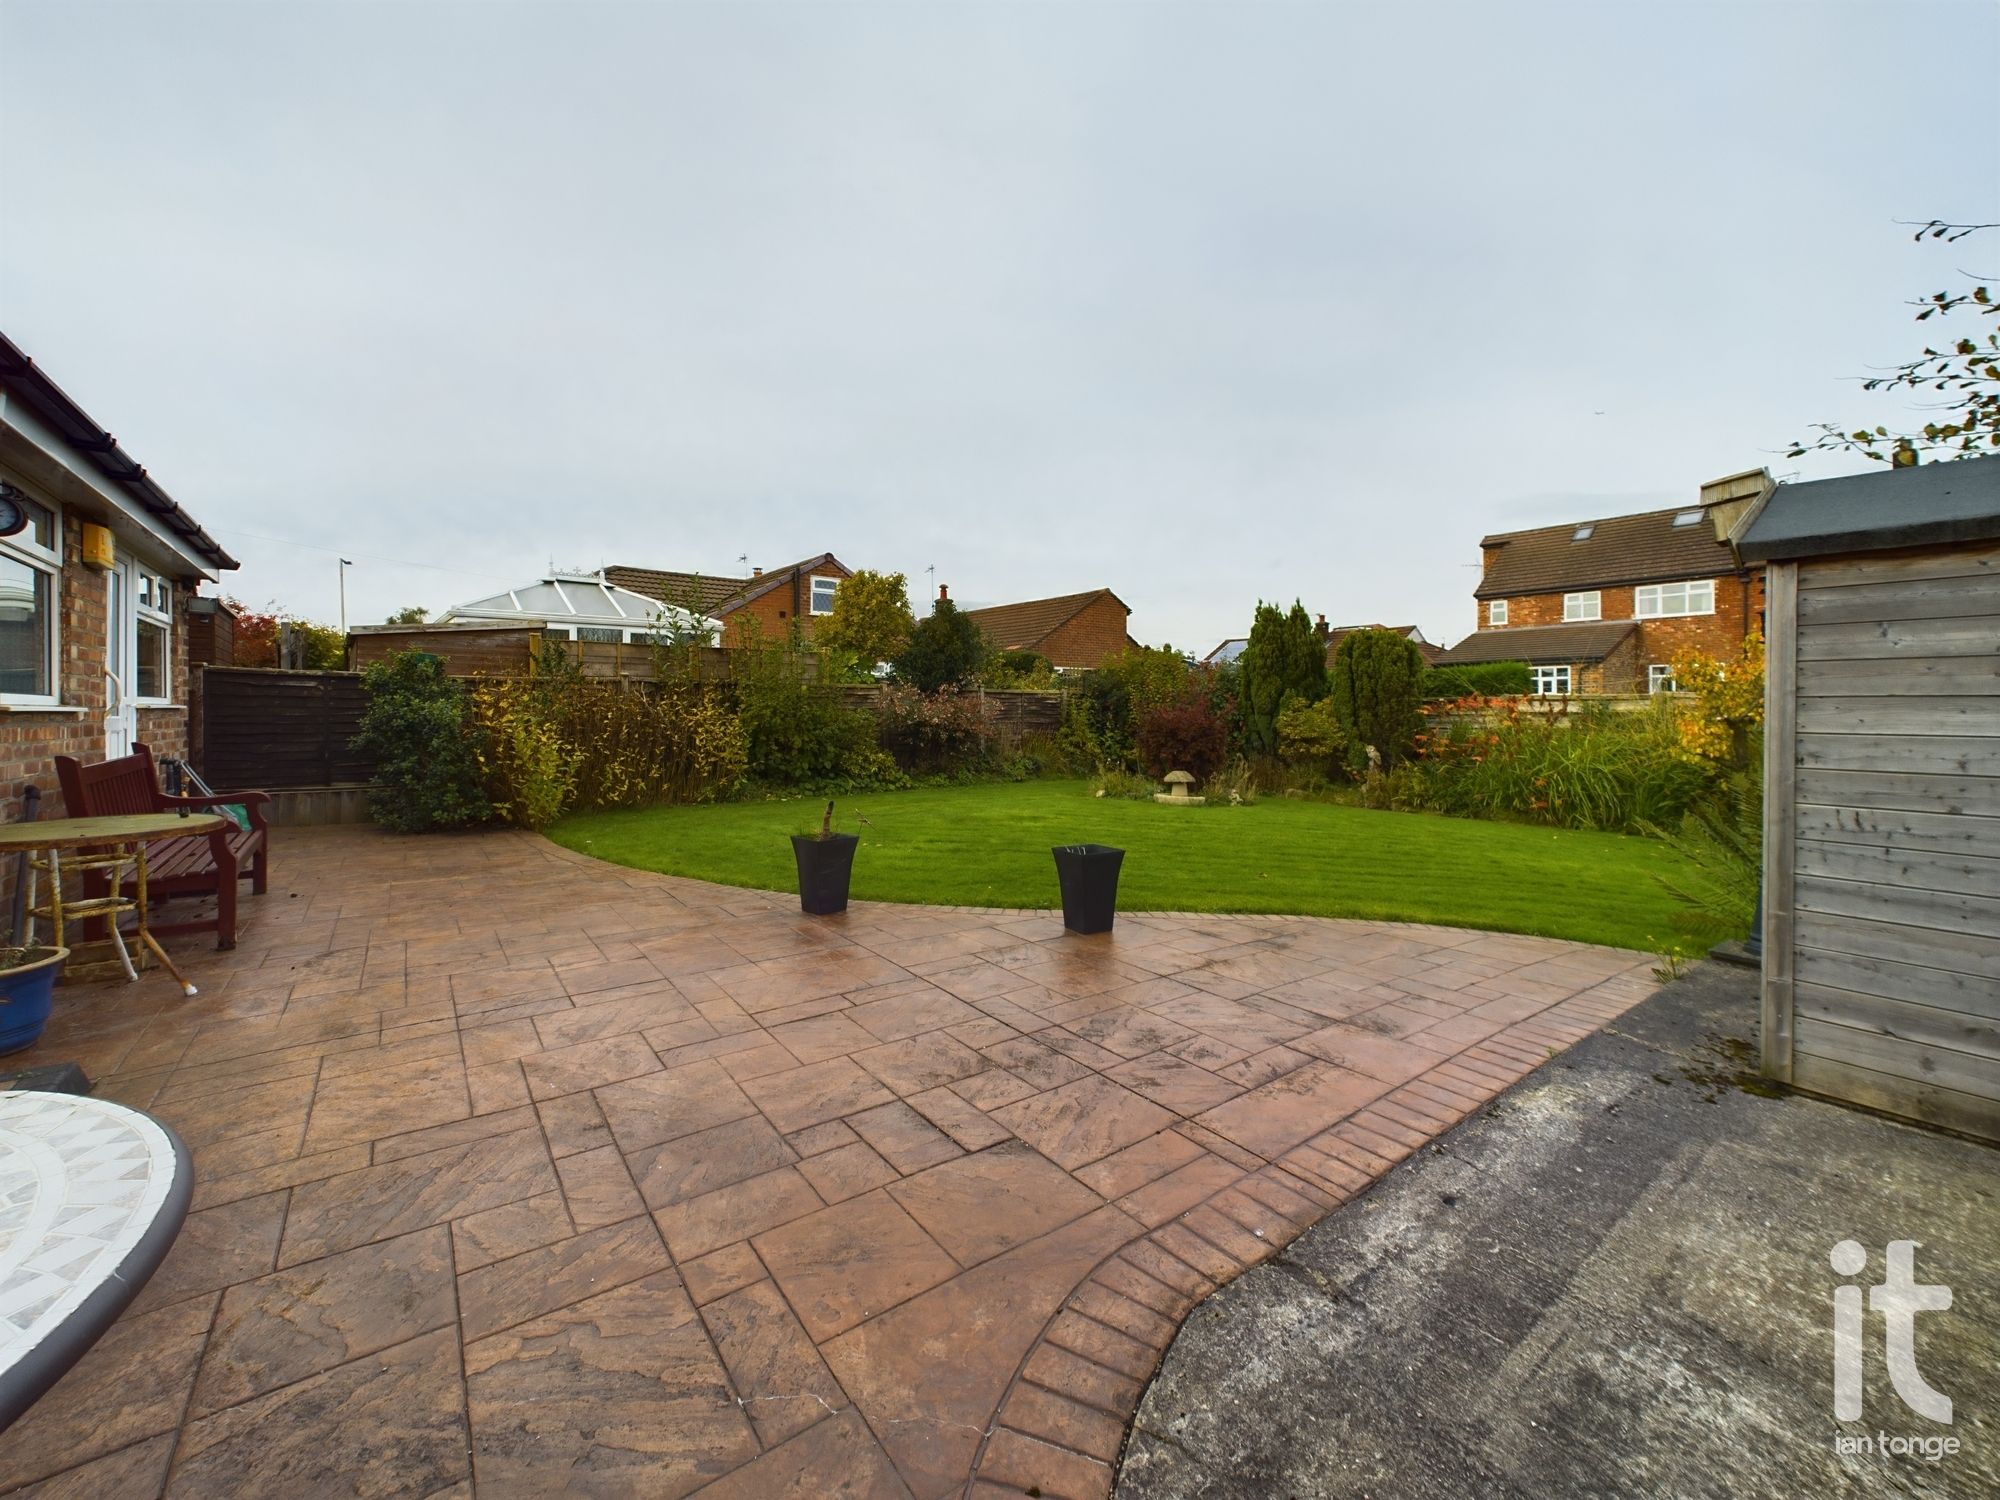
1655, 594
151, 583
1591, 598
813, 610
1542, 679
1496, 612
47, 561
1658, 673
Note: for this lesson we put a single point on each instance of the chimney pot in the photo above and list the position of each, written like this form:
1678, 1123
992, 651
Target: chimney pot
756, 572
944, 591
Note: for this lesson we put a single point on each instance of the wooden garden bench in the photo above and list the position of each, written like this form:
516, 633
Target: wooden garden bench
199, 865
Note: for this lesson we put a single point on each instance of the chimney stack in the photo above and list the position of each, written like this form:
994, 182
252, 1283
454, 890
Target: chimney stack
944, 591
1321, 628
756, 572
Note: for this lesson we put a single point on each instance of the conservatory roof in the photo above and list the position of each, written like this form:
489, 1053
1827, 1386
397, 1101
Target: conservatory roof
573, 598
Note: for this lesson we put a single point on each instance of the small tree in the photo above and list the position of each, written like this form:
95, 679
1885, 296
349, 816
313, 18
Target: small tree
946, 649
426, 754
871, 620
409, 614
1310, 736
1284, 658
1378, 693
1724, 708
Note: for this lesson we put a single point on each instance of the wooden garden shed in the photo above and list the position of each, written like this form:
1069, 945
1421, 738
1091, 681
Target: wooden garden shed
1882, 789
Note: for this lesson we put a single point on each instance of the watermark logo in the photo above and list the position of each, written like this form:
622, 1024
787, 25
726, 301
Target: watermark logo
1899, 1298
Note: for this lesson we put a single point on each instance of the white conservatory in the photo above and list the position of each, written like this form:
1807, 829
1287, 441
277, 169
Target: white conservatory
583, 607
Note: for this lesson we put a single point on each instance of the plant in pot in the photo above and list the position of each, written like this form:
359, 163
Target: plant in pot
826, 862
27, 980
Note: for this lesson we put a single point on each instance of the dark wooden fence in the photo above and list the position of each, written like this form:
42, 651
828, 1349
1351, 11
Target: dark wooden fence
277, 730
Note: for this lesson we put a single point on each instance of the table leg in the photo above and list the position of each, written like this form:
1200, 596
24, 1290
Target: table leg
146, 937
55, 895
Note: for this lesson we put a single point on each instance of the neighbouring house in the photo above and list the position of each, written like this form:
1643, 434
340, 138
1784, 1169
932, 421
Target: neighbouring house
1073, 631
1603, 606
98, 568
1334, 634
1227, 652
773, 599
1881, 961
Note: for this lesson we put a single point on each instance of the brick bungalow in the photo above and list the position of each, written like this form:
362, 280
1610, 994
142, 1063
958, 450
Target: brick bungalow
774, 599
1603, 606
1074, 631
96, 578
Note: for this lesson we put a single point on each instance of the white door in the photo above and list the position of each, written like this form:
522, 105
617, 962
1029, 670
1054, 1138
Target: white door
121, 655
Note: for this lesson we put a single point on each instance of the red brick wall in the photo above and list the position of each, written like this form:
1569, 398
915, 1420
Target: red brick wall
1739, 606
31, 739
1092, 637
774, 611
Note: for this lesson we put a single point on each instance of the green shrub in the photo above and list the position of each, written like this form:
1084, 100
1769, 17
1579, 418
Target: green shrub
1097, 722
1486, 679
1721, 844
1285, 658
426, 754
946, 649
1116, 781
1018, 669
796, 731
1376, 695
1615, 772
1310, 736
1233, 785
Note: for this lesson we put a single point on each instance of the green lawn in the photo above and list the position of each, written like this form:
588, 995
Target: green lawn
988, 845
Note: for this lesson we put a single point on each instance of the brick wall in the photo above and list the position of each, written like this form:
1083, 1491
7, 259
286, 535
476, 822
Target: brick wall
1739, 606
30, 739
1096, 634
775, 611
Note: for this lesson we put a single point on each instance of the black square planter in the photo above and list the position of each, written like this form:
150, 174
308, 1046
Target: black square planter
1089, 877
825, 864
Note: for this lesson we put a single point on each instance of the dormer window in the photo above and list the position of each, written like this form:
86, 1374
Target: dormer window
1582, 533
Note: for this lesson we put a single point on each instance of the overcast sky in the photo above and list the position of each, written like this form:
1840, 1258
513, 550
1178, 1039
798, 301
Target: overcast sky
1200, 302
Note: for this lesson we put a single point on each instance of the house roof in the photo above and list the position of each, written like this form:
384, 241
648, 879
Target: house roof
567, 598
1643, 548
1024, 626
1923, 505
712, 595
1541, 645
22, 380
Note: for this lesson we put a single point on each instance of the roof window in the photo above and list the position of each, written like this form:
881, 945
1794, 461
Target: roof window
1582, 533
1688, 517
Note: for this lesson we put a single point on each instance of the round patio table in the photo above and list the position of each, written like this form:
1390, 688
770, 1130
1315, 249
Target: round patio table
92, 1195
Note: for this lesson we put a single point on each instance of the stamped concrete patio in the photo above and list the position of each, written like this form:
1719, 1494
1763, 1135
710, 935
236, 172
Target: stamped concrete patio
521, 1174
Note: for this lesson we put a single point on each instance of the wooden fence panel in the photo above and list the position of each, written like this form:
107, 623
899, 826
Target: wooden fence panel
275, 730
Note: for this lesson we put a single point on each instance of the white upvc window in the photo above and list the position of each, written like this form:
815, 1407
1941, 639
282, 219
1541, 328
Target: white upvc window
30, 576
1552, 682
1655, 601
822, 594
1660, 678
1496, 612
1586, 606
153, 601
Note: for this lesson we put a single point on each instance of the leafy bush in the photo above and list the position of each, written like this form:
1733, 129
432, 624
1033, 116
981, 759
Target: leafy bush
1725, 703
1721, 841
870, 624
1310, 736
1285, 658
796, 730
1616, 772
1018, 669
426, 755
1188, 735
1116, 781
1096, 726
1234, 784
1376, 694
946, 649
1153, 677
1486, 679
933, 732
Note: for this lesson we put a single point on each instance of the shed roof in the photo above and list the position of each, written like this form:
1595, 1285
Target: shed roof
1643, 548
1024, 626
1923, 505
1541, 645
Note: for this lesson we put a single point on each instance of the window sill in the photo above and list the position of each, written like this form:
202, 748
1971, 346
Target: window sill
156, 704
62, 710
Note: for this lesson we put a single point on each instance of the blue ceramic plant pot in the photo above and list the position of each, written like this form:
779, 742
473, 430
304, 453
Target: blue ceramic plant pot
25, 993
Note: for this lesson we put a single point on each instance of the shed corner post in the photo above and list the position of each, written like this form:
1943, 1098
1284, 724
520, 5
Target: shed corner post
1781, 760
